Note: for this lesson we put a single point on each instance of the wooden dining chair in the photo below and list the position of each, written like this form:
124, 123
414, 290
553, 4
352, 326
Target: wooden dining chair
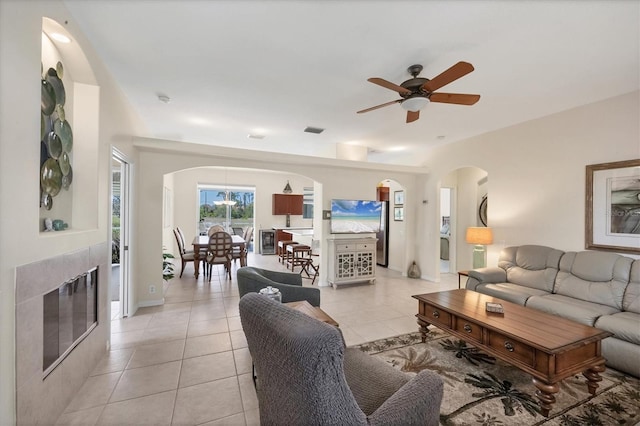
185, 256
215, 228
202, 255
220, 251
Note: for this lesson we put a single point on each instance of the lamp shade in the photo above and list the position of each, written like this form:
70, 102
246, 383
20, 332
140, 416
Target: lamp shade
479, 236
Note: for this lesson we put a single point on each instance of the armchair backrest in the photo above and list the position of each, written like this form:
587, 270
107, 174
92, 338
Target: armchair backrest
252, 280
299, 365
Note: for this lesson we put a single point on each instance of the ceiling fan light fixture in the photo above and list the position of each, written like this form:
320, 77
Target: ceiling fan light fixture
415, 103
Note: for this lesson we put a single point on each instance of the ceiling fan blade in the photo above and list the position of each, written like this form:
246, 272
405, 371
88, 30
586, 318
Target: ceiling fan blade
389, 85
379, 106
454, 98
412, 116
455, 72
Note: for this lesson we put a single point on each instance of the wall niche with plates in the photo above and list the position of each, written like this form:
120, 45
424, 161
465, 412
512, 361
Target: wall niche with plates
56, 143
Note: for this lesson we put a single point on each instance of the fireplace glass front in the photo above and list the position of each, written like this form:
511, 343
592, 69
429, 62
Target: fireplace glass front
70, 313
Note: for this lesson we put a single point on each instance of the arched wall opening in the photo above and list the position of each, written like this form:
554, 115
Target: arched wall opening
469, 190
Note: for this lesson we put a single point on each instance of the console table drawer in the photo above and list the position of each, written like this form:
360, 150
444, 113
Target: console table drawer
345, 247
436, 315
471, 329
511, 348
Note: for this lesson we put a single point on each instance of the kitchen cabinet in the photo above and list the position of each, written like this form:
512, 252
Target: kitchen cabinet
351, 260
287, 204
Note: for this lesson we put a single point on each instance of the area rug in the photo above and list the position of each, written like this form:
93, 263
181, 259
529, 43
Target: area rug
481, 390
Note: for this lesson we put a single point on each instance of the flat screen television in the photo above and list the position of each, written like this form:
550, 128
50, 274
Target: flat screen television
355, 216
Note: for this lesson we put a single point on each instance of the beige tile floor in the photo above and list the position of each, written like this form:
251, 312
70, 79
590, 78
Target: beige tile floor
187, 362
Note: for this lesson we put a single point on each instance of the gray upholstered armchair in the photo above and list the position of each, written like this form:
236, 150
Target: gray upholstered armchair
306, 376
252, 279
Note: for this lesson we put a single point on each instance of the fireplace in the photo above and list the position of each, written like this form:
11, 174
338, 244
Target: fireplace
62, 329
69, 314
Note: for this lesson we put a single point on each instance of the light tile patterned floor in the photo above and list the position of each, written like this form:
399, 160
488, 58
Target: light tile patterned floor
187, 362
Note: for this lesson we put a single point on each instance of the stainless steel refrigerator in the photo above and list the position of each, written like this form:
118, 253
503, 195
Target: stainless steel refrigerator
382, 245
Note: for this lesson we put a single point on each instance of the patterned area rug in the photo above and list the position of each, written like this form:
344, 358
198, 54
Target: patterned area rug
481, 390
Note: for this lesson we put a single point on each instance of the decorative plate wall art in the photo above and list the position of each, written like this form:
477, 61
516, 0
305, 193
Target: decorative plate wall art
56, 137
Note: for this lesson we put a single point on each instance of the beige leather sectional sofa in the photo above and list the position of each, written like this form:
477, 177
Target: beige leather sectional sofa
599, 289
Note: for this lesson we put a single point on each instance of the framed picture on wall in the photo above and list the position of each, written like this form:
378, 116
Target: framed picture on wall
398, 213
398, 198
612, 206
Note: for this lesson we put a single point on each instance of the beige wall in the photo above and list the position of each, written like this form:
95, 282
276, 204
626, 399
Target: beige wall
535, 169
536, 175
21, 242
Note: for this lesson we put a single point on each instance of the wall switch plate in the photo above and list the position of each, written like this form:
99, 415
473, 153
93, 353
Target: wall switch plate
152, 288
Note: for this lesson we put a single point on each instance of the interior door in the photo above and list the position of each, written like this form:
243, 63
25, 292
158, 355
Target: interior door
120, 233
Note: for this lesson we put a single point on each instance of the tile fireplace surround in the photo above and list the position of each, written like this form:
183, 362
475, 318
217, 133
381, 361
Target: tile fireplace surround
40, 400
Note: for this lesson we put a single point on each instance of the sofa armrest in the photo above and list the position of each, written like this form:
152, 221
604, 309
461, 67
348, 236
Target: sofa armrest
492, 274
415, 403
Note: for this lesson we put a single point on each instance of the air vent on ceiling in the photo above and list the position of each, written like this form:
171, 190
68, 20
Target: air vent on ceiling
316, 130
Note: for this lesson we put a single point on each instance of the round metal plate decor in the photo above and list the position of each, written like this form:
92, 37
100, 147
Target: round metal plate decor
60, 69
46, 201
67, 179
58, 86
47, 98
65, 165
54, 145
63, 130
44, 153
51, 177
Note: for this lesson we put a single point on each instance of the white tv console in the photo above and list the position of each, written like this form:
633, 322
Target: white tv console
351, 260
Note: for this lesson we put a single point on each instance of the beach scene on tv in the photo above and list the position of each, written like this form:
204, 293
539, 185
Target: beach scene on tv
355, 216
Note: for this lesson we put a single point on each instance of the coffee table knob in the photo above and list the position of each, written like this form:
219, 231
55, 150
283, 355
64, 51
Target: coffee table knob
509, 346
436, 314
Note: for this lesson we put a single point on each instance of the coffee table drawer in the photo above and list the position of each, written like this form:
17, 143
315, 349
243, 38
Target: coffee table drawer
511, 348
471, 329
436, 315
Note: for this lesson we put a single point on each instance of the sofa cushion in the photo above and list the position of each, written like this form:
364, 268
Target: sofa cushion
631, 299
510, 292
531, 266
624, 325
571, 308
592, 276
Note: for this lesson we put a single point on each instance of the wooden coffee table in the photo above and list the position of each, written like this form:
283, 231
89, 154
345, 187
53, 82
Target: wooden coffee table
548, 347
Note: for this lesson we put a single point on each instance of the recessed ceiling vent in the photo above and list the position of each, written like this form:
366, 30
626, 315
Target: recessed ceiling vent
316, 130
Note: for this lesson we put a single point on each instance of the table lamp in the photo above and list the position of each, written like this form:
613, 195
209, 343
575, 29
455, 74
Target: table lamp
480, 237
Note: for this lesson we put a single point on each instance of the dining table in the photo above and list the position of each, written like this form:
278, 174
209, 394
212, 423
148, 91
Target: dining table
202, 242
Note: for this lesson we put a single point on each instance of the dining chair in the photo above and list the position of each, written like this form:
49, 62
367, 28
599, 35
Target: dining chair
185, 256
237, 231
248, 234
220, 251
202, 254
215, 228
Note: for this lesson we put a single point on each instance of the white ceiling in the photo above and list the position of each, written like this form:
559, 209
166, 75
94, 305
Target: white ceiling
275, 67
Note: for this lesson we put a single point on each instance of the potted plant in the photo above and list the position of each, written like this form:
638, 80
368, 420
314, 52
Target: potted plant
167, 266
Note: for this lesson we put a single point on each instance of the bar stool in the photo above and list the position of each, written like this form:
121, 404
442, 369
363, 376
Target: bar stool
282, 249
296, 255
312, 270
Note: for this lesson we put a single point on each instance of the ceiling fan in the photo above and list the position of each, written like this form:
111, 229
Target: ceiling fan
416, 92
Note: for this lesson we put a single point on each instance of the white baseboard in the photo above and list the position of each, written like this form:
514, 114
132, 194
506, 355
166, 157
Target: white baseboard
148, 303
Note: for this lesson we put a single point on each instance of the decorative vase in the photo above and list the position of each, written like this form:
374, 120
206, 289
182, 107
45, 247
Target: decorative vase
414, 271
272, 293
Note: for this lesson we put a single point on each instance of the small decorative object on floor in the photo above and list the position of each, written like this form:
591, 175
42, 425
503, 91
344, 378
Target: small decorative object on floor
272, 293
494, 307
414, 271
